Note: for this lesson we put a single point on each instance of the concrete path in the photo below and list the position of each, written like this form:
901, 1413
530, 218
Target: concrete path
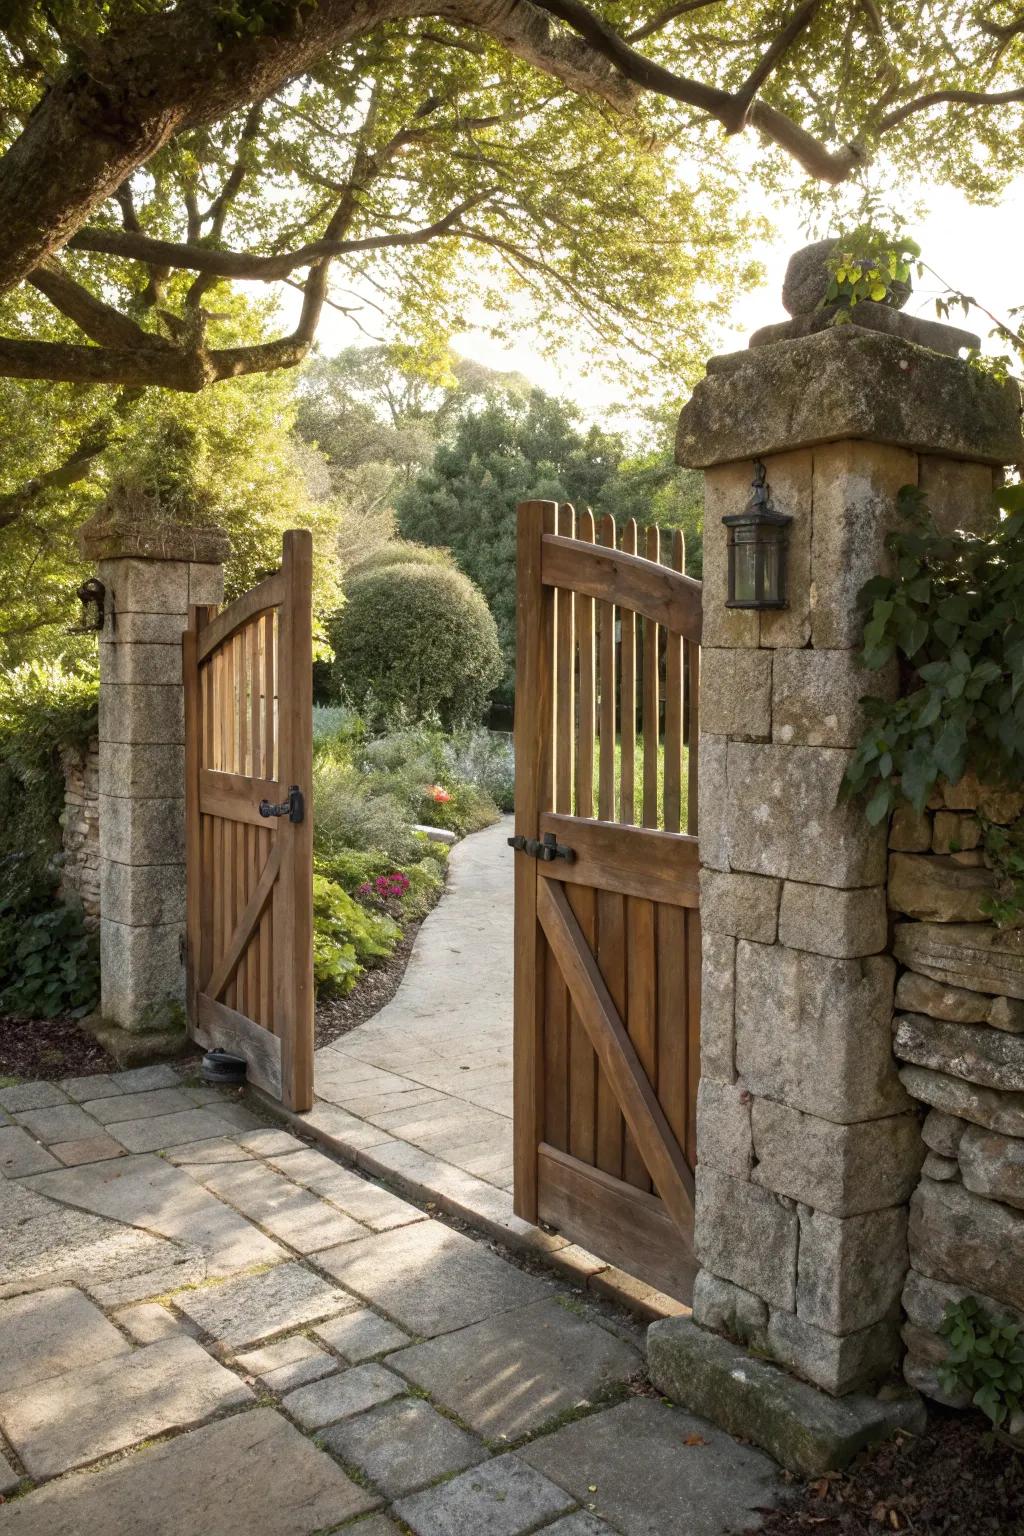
433, 1069
208, 1327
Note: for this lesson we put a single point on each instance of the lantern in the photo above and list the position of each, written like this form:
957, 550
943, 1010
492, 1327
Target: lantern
758, 548
92, 595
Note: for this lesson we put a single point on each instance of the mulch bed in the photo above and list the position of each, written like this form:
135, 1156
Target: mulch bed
954, 1480
49, 1049
336, 1016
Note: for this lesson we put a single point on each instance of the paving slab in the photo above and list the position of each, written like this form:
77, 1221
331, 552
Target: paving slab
359, 1335
650, 1469
67, 1421
30, 1096
270, 1142
20, 1155
62, 1122
148, 1322
358, 1197
141, 1079
503, 1497
46, 1333
99, 1086
9, 1476
337, 1397
90, 1149
288, 1364
285, 1210
430, 1279
579, 1524
251, 1472
514, 1372
151, 1193
403, 1446
137, 1106
254, 1307
240, 1117
204, 1153
168, 1130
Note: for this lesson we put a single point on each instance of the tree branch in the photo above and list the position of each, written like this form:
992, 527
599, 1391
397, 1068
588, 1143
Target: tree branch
100, 321
772, 57
661, 21
937, 98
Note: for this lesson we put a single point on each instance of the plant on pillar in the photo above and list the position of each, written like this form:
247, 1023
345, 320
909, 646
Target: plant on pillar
869, 264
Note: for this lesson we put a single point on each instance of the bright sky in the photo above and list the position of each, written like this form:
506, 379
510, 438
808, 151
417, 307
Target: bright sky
976, 250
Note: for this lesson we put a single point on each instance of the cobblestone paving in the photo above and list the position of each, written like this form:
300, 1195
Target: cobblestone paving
235, 1332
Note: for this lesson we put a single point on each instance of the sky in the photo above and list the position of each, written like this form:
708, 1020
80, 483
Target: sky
975, 249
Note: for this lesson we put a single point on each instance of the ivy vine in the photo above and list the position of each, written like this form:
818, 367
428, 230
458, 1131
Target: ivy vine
952, 615
869, 264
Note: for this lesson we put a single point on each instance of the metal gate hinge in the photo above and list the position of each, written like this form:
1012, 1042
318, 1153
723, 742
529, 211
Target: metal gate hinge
546, 849
294, 807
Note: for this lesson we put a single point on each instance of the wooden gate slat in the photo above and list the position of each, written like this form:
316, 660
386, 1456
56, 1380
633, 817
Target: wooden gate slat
246, 923
565, 668
582, 1067
617, 1056
674, 644
606, 629
640, 1015
587, 689
627, 790
651, 700
611, 958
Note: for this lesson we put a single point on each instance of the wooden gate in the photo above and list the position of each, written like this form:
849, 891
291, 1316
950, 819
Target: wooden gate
249, 830
607, 946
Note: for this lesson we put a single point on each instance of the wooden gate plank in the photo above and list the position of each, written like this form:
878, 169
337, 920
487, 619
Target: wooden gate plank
627, 695
641, 1014
617, 1056
254, 909
216, 1024
612, 576
632, 861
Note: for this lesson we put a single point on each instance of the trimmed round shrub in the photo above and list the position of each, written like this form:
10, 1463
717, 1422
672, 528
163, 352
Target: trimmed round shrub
416, 642
401, 552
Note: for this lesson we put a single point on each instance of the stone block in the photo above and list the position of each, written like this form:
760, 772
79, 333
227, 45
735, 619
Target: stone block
402, 1446
143, 978
937, 889
143, 894
122, 662
959, 493
147, 586
943, 1133
842, 1169
723, 1128
1007, 1013
205, 583
993, 1165
851, 1270
935, 1166
816, 697
805, 1430
925, 1353
360, 1335
135, 713
995, 802
718, 1009
736, 693
973, 955
826, 921
141, 831
747, 1235
927, 1301
714, 801
910, 831
782, 817
740, 906
988, 1057
1003, 1112
146, 629
791, 478
338, 1397
729, 1309
837, 1363
504, 1497
963, 1238
855, 489
815, 1033
726, 490
954, 832
919, 994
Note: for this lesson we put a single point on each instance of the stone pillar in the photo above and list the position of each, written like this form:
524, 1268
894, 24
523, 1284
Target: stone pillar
808, 1144
151, 572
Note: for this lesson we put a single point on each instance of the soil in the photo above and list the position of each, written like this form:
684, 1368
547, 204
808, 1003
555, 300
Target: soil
336, 1016
956, 1479
49, 1049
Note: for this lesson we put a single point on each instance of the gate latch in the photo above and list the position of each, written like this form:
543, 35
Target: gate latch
294, 807
547, 849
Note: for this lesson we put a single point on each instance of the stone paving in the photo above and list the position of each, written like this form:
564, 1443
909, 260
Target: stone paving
210, 1327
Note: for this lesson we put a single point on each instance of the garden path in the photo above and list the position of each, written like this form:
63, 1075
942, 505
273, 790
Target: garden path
207, 1326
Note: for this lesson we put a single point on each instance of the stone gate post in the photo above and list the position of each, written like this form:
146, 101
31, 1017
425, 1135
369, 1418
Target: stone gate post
808, 1145
151, 573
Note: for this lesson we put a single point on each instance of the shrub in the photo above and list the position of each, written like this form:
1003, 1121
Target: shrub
416, 638
49, 962
985, 1358
346, 938
486, 759
350, 815
401, 552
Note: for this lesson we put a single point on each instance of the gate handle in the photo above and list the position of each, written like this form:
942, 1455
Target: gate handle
294, 807
546, 850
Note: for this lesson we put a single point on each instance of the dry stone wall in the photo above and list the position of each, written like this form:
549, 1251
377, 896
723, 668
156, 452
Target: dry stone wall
958, 1031
80, 870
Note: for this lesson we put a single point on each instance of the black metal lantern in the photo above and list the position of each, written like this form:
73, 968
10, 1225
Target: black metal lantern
92, 595
758, 549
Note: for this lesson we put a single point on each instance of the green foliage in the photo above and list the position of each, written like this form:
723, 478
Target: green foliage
42, 710
953, 613
352, 869
986, 1358
346, 938
870, 264
49, 961
485, 759
1004, 854
416, 640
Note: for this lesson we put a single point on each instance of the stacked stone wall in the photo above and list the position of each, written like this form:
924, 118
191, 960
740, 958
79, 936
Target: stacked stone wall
959, 1032
80, 869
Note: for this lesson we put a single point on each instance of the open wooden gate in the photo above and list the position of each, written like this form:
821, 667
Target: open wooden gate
249, 830
607, 946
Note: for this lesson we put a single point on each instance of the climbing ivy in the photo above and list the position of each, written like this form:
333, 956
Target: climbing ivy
952, 614
868, 263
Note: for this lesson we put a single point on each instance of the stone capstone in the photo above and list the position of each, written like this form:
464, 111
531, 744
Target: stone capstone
972, 955
996, 1111
936, 889
984, 1056
804, 1429
807, 278
108, 536
963, 1238
993, 1166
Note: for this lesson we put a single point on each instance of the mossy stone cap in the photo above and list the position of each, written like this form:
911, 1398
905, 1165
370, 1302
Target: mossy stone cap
110, 535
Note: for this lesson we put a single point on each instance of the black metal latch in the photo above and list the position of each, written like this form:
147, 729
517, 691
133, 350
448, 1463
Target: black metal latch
547, 849
294, 807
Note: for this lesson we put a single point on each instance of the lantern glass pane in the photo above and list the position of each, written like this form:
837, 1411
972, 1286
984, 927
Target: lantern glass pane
745, 569
770, 592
